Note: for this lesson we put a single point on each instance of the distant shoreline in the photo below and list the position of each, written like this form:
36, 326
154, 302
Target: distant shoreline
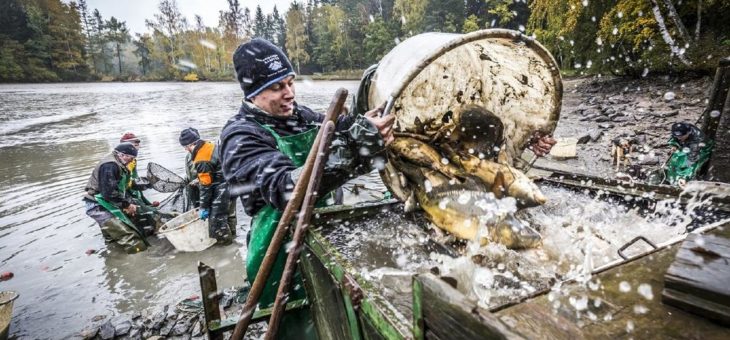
354, 75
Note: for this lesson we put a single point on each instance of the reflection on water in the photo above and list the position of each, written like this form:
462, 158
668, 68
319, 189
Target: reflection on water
52, 136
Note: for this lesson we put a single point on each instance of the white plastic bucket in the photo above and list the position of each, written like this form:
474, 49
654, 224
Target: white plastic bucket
6, 312
187, 232
434, 74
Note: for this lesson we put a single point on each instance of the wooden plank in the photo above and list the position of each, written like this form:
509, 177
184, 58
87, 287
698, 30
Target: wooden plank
329, 313
697, 280
565, 148
448, 314
717, 127
210, 296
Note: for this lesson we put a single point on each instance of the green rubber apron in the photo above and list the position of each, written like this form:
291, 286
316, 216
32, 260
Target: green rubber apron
264, 223
122, 187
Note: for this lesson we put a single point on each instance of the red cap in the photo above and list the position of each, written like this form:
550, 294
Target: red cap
129, 137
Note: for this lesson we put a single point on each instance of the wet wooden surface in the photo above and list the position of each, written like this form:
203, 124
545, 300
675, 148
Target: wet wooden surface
624, 302
698, 280
447, 314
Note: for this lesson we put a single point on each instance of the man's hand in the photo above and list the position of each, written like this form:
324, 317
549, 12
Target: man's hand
130, 210
156, 204
383, 124
194, 183
541, 144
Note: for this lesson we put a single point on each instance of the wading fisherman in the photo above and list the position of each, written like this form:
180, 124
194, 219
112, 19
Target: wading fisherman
203, 163
137, 182
690, 149
110, 203
264, 148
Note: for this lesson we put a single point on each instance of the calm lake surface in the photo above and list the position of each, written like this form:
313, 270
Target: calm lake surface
52, 137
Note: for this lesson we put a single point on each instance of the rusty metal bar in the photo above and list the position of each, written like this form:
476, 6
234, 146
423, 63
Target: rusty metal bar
209, 291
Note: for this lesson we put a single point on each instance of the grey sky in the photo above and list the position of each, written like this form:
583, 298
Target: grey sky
134, 12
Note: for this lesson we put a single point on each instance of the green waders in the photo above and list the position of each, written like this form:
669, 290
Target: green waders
295, 324
679, 166
120, 228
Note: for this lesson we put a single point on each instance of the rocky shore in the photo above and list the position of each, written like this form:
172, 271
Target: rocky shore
598, 111
183, 321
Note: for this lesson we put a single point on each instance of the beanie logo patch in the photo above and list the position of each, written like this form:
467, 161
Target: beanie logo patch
273, 62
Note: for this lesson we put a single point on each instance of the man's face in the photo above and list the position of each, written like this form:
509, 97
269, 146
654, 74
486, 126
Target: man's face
125, 159
683, 137
277, 99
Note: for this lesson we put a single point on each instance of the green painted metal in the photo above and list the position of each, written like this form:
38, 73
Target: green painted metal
418, 327
351, 315
258, 315
381, 314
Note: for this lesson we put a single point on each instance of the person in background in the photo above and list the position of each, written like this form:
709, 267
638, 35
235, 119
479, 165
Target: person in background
203, 162
136, 181
690, 149
109, 201
264, 148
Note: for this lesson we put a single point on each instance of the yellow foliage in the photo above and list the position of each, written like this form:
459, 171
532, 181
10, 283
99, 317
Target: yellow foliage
192, 77
630, 21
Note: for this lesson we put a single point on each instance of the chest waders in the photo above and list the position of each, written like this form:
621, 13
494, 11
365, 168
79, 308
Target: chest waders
679, 165
296, 324
114, 210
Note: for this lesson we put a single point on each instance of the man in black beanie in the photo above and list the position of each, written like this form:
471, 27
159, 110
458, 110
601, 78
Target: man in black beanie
110, 203
203, 168
264, 148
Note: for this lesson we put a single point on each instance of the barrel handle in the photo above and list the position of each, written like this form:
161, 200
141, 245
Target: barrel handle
630, 243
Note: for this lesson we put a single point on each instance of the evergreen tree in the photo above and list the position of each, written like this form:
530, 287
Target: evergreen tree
13, 32
444, 16
99, 42
259, 23
143, 45
118, 34
279, 29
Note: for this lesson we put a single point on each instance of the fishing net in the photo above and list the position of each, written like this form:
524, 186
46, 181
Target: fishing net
163, 180
177, 202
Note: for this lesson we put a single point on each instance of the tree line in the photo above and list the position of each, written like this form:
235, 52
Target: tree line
50, 40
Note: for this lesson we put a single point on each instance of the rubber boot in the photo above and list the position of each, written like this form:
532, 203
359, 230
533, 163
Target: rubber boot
232, 220
123, 235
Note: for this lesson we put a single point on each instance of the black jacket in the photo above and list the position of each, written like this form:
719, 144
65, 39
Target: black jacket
260, 174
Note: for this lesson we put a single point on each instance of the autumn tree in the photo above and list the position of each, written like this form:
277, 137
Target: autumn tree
298, 39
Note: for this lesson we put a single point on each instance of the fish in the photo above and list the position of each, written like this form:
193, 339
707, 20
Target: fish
476, 216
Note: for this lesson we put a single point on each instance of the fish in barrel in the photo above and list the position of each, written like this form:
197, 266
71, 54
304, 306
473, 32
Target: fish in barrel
465, 107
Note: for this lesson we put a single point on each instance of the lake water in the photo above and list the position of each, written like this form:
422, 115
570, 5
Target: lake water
52, 137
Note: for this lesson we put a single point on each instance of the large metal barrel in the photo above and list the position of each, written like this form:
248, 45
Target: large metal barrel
506, 72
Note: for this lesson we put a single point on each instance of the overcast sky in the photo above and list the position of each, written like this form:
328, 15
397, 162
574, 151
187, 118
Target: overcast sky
134, 12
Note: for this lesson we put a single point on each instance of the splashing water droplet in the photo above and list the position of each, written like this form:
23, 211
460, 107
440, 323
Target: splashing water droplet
624, 287
645, 291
